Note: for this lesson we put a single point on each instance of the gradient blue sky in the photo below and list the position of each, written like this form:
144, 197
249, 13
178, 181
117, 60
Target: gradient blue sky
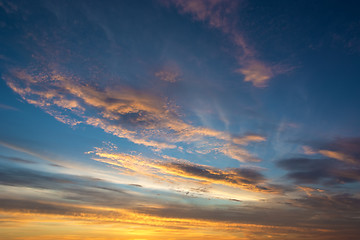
205, 118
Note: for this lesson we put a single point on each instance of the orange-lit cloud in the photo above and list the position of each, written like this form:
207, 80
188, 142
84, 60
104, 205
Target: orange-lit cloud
138, 116
331, 154
238, 153
308, 190
247, 139
256, 73
243, 178
337, 155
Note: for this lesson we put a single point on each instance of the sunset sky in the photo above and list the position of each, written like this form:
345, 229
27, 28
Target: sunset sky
180, 119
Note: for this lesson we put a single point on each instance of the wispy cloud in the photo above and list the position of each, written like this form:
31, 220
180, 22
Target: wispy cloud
136, 115
7, 107
16, 159
9, 7
26, 151
168, 76
222, 15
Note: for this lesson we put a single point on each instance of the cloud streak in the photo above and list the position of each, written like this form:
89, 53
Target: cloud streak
243, 178
222, 15
342, 149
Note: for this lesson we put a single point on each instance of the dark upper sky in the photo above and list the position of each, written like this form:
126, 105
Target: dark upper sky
191, 119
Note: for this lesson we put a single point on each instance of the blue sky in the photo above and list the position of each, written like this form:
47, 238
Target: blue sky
218, 118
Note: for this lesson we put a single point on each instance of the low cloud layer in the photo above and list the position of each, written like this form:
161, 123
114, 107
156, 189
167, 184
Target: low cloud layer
341, 165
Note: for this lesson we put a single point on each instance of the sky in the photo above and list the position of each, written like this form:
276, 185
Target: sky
179, 119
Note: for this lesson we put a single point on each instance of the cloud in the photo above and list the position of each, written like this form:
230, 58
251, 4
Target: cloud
243, 178
161, 217
238, 153
7, 107
27, 183
331, 154
213, 12
9, 7
337, 155
319, 171
136, 115
82, 94
339, 162
237, 177
168, 76
82, 201
254, 222
308, 150
222, 15
329, 203
16, 159
27, 177
309, 191
342, 149
245, 140
257, 73
31, 152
